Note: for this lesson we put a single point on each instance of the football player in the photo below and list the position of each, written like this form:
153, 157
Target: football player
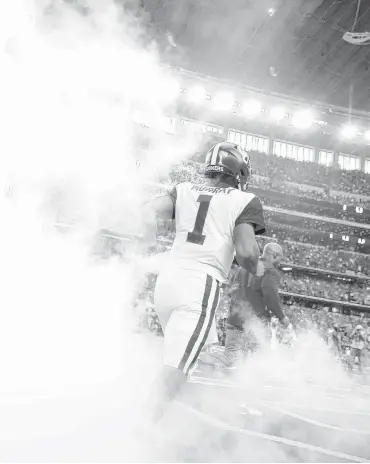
214, 221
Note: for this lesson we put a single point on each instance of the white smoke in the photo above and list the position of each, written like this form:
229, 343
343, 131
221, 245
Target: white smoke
71, 85
70, 361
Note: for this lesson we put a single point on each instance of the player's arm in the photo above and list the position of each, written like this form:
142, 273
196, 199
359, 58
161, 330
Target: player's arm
160, 207
270, 292
246, 247
249, 224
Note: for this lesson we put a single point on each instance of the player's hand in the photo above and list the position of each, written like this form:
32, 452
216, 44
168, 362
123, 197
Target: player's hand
260, 268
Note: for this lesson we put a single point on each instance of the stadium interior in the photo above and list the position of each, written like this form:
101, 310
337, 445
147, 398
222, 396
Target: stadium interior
298, 108
287, 80
316, 204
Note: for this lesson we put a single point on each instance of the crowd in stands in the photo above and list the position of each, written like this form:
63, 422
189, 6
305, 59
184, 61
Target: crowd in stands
322, 257
314, 237
291, 189
329, 289
318, 208
322, 194
300, 253
315, 225
266, 174
289, 170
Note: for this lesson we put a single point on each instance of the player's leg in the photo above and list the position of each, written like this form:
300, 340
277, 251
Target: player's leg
234, 339
194, 299
167, 385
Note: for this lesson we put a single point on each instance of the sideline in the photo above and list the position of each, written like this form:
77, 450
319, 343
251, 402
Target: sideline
297, 444
227, 384
318, 423
328, 391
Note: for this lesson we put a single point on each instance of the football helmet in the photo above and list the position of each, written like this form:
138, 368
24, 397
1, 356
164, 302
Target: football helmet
231, 160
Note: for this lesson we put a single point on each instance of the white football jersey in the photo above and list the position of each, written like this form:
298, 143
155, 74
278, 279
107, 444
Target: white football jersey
205, 220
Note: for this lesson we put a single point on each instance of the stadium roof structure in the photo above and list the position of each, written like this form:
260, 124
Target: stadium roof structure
292, 47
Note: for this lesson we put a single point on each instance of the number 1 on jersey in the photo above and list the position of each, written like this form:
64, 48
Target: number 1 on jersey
197, 236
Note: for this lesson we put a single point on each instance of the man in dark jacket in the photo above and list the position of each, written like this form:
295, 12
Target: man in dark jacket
253, 297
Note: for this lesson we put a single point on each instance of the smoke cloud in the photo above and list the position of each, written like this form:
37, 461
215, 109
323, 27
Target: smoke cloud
75, 77
74, 372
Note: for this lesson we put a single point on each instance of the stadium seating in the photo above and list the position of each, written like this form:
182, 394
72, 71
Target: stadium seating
322, 257
284, 169
288, 176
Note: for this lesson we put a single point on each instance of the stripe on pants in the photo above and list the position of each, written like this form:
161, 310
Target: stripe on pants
201, 321
216, 300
